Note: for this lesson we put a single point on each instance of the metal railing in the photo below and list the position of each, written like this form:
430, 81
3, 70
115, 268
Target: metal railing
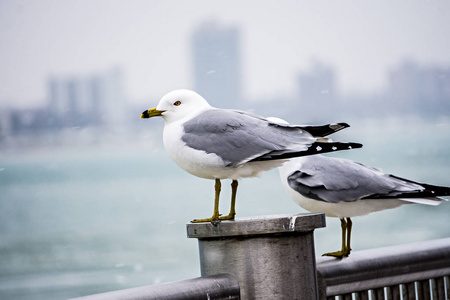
216, 287
273, 257
412, 271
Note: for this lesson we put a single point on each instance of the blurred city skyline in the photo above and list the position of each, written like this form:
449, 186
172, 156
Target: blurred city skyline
101, 100
150, 41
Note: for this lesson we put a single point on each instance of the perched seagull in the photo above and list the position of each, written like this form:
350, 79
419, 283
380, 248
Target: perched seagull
216, 144
343, 189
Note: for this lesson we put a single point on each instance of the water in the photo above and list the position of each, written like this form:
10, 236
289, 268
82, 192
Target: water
91, 217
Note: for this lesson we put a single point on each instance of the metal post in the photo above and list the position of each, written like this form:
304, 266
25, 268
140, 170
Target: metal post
272, 257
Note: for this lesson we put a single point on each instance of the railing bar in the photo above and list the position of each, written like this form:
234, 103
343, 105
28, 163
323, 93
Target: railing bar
428, 290
404, 291
411, 290
433, 289
331, 298
388, 293
419, 290
447, 287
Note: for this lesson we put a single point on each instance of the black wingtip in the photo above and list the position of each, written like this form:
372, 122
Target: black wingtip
430, 190
319, 147
324, 130
354, 145
341, 125
315, 148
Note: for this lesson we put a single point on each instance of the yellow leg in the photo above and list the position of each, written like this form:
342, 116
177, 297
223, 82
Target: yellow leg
215, 216
234, 186
346, 233
349, 233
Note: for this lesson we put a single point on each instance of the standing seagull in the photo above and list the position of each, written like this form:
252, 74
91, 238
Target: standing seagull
343, 188
217, 144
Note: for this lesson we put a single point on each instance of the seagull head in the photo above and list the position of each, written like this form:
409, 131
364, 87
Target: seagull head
177, 105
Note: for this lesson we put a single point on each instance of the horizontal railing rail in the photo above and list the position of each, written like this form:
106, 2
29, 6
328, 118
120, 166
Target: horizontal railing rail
216, 287
411, 271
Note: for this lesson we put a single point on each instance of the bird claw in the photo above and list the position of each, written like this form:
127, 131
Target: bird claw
212, 219
228, 217
215, 219
338, 254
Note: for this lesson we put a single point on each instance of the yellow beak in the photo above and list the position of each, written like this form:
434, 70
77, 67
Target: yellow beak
152, 112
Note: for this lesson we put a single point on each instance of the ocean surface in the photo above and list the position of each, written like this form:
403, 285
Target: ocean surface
81, 214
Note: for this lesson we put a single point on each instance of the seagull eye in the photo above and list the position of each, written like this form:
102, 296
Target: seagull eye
177, 103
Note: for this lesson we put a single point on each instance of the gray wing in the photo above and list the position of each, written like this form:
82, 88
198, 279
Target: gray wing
238, 137
335, 180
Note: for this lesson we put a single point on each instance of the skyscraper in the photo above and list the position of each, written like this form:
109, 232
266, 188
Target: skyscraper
318, 84
88, 100
317, 90
216, 55
423, 89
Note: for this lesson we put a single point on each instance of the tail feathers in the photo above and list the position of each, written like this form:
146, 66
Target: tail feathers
421, 193
315, 148
427, 201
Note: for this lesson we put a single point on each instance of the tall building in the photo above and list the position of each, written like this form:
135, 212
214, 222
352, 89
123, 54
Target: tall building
5, 123
317, 89
69, 101
420, 89
87, 100
216, 55
318, 83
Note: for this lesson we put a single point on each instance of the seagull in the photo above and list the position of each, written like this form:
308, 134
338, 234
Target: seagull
343, 189
217, 144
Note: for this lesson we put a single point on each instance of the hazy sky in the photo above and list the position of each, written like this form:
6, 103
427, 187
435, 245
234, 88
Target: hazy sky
150, 40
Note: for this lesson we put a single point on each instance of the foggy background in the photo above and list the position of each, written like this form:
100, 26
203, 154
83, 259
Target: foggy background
259, 52
89, 200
